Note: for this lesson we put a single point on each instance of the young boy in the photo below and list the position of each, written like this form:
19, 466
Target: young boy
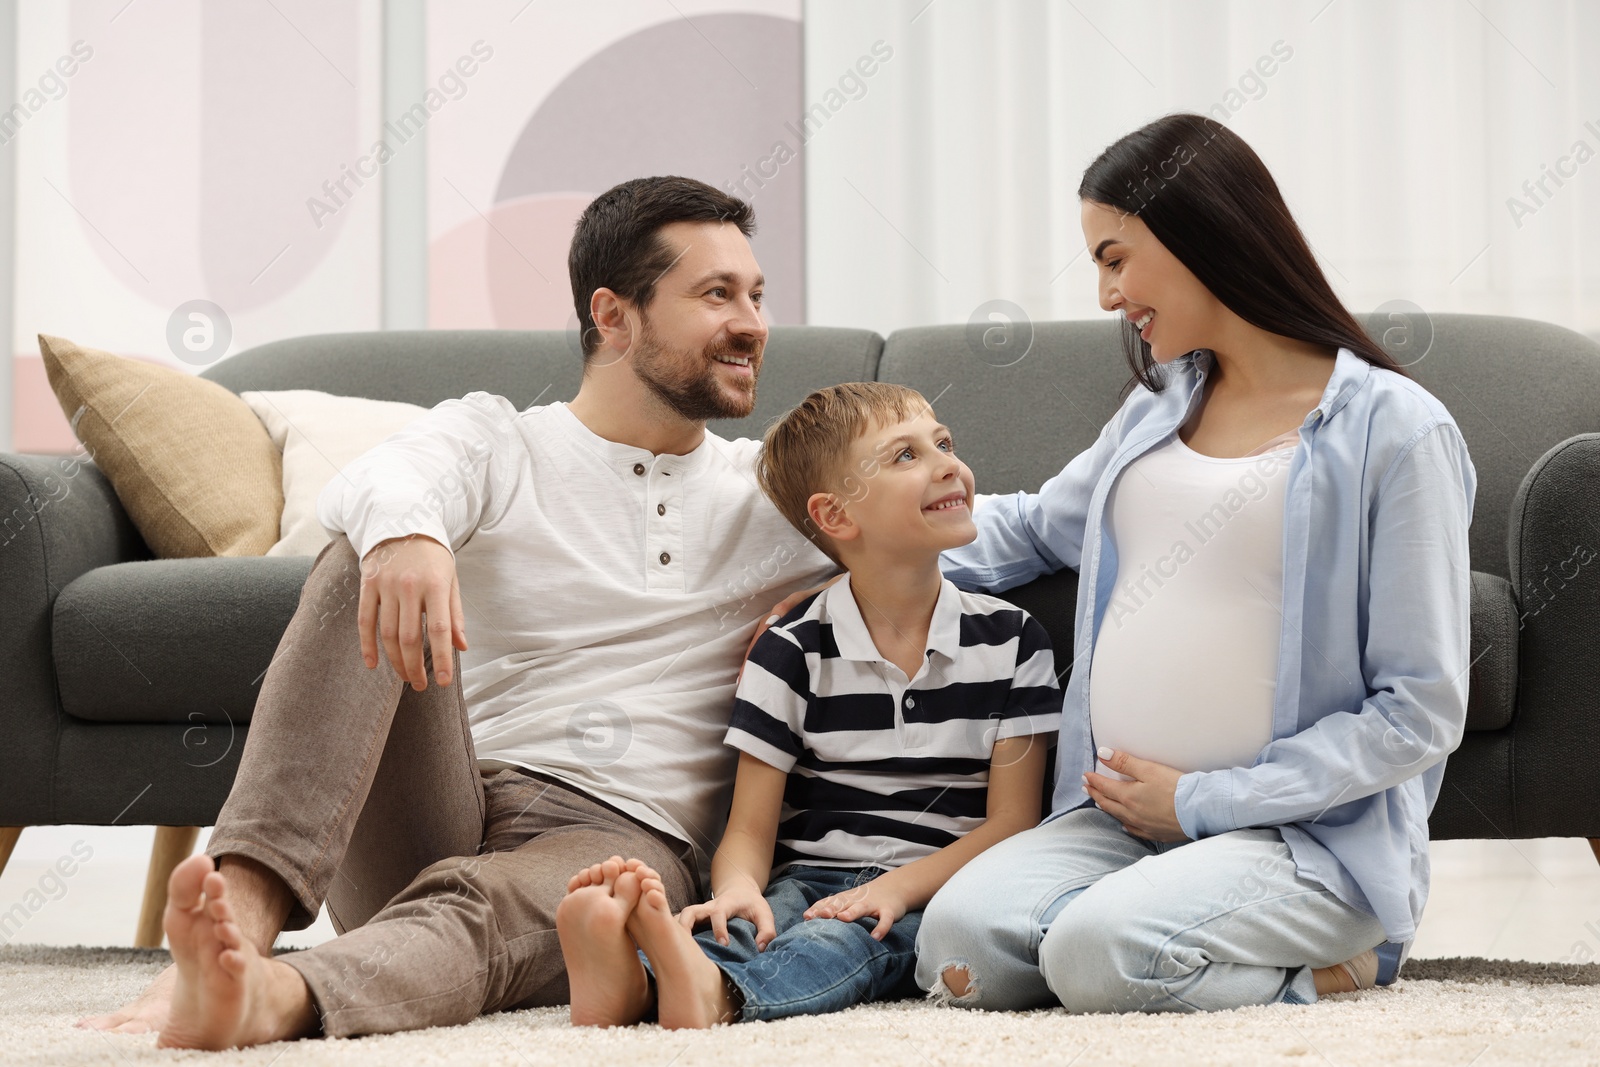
891, 727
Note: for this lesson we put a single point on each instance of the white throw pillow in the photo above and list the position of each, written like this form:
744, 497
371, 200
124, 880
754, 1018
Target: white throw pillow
319, 434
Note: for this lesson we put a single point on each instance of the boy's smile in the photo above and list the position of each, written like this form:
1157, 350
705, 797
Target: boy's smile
911, 492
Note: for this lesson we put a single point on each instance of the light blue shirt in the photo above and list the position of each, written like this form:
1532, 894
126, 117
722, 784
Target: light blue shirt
1373, 661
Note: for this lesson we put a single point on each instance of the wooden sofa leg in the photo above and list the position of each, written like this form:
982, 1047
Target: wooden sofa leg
1594, 845
8, 841
173, 845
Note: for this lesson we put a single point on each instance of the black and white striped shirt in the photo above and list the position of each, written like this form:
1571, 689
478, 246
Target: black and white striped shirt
883, 769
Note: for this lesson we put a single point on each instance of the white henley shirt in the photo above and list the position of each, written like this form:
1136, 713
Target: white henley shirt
609, 593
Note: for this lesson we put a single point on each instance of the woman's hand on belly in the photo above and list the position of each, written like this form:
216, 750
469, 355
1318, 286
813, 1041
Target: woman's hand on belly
1146, 806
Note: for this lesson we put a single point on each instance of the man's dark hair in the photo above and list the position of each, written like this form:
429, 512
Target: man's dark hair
617, 244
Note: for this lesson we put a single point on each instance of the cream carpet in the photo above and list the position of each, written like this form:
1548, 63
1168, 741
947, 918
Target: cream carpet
1459, 1012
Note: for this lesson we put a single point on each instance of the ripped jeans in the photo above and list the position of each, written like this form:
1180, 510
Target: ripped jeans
1076, 911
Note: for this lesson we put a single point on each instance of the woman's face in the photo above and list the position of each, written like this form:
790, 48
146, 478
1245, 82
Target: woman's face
1139, 278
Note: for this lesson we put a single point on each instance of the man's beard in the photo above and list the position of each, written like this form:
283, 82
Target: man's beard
687, 382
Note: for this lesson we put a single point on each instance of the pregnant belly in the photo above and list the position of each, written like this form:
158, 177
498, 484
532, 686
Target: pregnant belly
1193, 691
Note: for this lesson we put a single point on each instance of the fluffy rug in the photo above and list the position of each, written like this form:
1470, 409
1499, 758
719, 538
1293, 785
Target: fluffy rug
1446, 1011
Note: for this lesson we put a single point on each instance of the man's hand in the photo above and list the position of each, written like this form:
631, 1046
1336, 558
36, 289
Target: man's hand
1147, 806
403, 579
877, 897
741, 900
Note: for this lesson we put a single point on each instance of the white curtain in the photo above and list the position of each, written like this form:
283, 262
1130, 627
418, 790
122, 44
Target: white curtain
1401, 134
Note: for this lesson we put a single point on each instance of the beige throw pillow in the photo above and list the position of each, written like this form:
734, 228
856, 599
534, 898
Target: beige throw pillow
192, 465
319, 434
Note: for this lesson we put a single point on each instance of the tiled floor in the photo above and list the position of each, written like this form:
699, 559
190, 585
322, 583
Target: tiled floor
1529, 900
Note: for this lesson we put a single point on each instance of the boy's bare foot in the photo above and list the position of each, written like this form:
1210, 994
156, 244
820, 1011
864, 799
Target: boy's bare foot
594, 874
227, 994
140, 1016
690, 991
608, 984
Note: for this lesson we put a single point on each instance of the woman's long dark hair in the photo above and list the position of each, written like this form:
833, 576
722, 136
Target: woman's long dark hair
1210, 200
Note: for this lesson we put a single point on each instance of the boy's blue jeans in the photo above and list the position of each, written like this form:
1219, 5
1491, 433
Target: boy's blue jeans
1078, 912
819, 965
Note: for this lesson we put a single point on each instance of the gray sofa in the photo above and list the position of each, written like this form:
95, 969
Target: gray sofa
131, 680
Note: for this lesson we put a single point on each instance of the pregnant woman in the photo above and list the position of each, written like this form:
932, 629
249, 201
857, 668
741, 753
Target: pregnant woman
1272, 627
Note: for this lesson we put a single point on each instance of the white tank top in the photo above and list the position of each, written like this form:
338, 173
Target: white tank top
1186, 660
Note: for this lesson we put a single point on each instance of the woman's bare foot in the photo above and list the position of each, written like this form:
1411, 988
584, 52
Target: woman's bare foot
227, 994
690, 991
1353, 975
608, 984
146, 1013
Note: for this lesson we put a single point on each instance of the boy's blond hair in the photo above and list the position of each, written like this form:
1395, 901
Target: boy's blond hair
807, 451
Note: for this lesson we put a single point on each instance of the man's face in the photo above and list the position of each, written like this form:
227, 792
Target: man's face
702, 335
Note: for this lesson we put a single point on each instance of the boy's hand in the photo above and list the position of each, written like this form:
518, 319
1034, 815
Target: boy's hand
741, 901
877, 897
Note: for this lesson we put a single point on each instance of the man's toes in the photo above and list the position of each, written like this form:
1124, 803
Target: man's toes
186, 885
229, 934
215, 886
220, 909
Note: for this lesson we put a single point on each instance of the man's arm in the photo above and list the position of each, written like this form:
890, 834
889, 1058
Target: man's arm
405, 505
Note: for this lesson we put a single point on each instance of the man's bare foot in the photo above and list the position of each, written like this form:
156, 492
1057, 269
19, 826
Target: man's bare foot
608, 984
690, 991
227, 994
140, 1016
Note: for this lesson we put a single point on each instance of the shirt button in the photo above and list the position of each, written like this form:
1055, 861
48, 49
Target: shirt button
665, 559
638, 468
661, 509
910, 703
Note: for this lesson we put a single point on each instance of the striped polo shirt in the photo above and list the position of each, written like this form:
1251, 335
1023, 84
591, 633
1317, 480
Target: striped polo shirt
885, 769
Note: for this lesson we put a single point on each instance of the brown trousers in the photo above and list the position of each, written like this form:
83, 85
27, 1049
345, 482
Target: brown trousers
364, 794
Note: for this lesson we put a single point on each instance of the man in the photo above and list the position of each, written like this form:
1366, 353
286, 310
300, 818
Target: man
613, 558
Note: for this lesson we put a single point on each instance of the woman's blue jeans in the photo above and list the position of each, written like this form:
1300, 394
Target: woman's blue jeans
816, 965
1077, 911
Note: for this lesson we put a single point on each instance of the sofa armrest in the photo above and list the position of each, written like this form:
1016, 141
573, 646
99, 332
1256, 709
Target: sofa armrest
59, 518
1554, 544
1493, 697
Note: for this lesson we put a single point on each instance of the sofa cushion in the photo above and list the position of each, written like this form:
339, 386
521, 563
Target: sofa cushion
319, 434
192, 465
182, 641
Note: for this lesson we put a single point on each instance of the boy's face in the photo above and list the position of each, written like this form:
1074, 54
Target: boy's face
909, 491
